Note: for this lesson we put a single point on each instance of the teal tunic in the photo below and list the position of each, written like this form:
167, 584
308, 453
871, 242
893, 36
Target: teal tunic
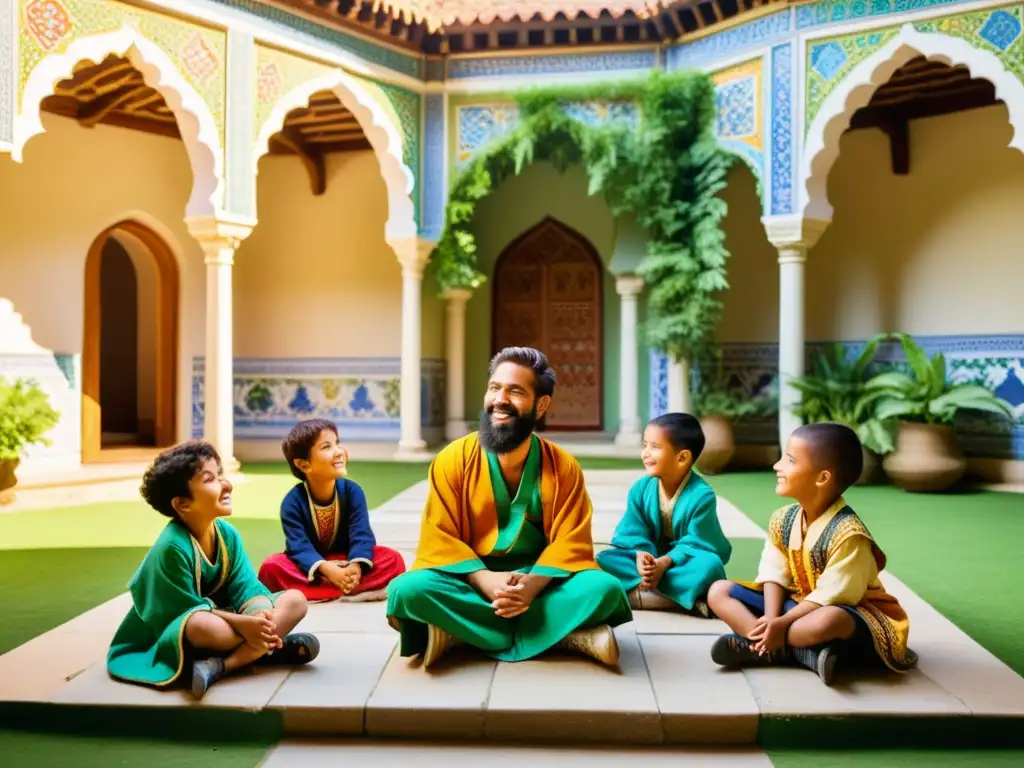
175, 580
696, 545
443, 597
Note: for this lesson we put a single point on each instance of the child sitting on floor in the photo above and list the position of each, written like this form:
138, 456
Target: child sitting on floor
817, 593
669, 546
195, 597
330, 550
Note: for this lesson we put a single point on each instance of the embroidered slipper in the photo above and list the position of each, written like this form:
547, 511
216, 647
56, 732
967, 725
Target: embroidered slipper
735, 651
205, 673
298, 648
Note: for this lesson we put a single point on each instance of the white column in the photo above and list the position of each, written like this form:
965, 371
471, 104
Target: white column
628, 287
219, 239
455, 354
793, 236
412, 253
680, 398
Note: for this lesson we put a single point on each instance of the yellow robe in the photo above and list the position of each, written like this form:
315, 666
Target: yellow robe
836, 562
460, 523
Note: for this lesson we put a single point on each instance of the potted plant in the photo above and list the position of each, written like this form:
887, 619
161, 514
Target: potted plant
835, 390
719, 407
25, 417
927, 456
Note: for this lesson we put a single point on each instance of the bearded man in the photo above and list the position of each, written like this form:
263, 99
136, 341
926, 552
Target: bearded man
506, 558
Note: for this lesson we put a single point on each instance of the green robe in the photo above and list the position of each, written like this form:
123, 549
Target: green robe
175, 580
442, 597
696, 545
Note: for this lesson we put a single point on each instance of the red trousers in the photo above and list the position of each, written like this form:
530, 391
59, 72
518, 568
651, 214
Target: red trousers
279, 572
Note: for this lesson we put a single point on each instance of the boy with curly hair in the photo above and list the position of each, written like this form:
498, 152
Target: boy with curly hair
195, 597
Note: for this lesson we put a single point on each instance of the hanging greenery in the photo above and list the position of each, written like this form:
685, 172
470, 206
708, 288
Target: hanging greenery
666, 170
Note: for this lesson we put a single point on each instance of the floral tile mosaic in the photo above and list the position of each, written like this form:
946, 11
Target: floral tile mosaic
996, 362
361, 395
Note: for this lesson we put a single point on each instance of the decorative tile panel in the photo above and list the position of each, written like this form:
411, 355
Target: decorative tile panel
306, 32
996, 362
551, 64
480, 124
839, 11
8, 90
278, 73
738, 103
361, 395
783, 150
406, 105
435, 158
766, 30
830, 60
49, 26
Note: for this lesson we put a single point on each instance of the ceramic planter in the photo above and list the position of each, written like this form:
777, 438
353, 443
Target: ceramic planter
719, 445
927, 458
7, 480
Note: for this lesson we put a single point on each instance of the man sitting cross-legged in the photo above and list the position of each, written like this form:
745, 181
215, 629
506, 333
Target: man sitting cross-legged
506, 559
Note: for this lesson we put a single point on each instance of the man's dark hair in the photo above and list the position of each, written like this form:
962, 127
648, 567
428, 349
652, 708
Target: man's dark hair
835, 448
535, 360
168, 476
300, 442
683, 431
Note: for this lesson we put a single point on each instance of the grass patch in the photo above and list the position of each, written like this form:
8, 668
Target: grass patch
43, 750
904, 758
957, 550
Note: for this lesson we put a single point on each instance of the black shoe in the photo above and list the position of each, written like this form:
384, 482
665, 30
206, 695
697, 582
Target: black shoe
820, 661
298, 648
204, 674
736, 651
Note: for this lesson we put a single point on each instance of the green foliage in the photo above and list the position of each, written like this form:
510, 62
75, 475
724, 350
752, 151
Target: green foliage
667, 172
925, 395
25, 416
836, 390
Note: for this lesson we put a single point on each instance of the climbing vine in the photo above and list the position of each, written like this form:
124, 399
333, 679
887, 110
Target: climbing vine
666, 169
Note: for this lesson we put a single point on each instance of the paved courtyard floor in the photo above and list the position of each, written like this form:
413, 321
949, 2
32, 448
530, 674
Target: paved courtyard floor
667, 694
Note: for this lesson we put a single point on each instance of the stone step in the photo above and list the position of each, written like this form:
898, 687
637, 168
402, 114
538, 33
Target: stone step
666, 691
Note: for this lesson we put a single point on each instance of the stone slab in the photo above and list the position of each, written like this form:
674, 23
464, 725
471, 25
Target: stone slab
673, 623
576, 699
358, 618
325, 754
329, 699
251, 688
698, 704
38, 669
446, 701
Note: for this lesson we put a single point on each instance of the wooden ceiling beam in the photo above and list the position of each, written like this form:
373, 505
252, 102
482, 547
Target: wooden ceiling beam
93, 113
312, 159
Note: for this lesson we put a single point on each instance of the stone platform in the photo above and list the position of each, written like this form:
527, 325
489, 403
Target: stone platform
666, 692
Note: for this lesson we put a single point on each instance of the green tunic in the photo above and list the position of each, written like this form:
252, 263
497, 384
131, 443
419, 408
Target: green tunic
175, 580
695, 543
444, 598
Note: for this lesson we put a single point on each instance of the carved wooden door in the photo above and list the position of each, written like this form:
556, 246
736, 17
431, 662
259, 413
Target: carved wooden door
547, 295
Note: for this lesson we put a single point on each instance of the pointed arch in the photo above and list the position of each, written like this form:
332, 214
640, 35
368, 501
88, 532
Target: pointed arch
381, 131
821, 145
195, 121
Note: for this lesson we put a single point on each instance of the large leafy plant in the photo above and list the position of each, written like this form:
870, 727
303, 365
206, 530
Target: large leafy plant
25, 417
835, 389
924, 395
666, 170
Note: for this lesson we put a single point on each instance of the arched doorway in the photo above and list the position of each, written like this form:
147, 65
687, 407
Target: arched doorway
130, 341
548, 295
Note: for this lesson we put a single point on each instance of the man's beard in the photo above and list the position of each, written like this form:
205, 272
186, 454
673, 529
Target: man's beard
509, 435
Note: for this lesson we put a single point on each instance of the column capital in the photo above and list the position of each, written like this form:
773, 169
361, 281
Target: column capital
793, 232
457, 295
629, 285
413, 253
220, 236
